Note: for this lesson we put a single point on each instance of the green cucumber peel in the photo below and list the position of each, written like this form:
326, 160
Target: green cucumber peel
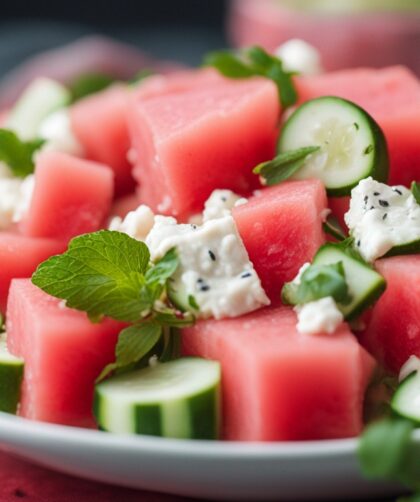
332, 227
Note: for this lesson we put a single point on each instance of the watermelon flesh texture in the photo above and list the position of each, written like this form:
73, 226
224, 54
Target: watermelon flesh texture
63, 352
392, 96
99, 123
124, 205
280, 385
393, 330
20, 255
189, 143
281, 228
72, 196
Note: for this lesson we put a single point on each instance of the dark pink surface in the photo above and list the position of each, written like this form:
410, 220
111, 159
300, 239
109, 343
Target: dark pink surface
20, 480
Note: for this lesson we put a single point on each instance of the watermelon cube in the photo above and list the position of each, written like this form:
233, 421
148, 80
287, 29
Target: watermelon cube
392, 96
189, 143
281, 228
20, 255
63, 352
124, 205
393, 329
99, 123
71, 196
280, 385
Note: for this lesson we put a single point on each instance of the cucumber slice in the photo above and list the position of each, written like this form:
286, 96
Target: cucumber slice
352, 145
178, 399
406, 400
11, 373
40, 99
365, 284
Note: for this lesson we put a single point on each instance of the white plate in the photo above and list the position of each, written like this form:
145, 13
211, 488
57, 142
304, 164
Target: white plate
317, 470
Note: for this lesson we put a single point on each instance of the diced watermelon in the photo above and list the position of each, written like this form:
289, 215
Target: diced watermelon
19, 257
124, 205
71, 196
99, 123
281, 228
393, 331
392, 97
278, 384
189, 143
339, 207
63, 352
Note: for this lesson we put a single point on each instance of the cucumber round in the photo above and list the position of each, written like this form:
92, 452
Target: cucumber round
11, 374
179, 399
406, 400
352, 145
365, 284
39, 100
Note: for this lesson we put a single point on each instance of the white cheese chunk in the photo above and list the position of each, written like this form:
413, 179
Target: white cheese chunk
410, 366
214, 266
220, 204
57, 131
321, 316
381, 217
299, 56
136, 224
15, 198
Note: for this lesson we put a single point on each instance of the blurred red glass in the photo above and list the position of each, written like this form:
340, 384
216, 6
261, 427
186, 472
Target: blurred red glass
348, 33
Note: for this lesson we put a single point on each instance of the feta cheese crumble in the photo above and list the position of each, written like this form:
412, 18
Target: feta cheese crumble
57, 131
299, 56
15, 198
136, 224
381, 217
321, 316
410, 366
214, 266
220, 204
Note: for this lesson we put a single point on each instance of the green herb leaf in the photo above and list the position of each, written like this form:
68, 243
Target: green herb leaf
163, 269
415, 188
141, 75
332, 227
89, 83
384, 448
101, 273
192, 302
319, 281
252, 62
18, 154
284, 165
134, 343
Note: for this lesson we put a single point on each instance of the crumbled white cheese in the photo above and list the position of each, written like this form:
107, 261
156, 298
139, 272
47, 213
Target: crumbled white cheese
15, 198
298, 277
214, 266
57, 131
381, 217
136, 224
321, 316
411, 365
220, 204
299, 56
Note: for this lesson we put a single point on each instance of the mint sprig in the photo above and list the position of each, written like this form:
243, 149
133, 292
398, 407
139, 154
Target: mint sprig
18, 154
415, 189
316, 282
284, 165
255, 61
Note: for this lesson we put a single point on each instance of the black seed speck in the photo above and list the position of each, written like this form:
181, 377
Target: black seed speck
200, 280
383, 203
20, 494
245, 275
398, 191
358, 244
194, 227
385, 216
223, 198
212, 255
371, 207
204, 287
376, 194
366, 199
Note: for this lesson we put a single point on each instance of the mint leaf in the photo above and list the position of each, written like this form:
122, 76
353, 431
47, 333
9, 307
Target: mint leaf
163, 269
383, 446
319, 281
415, 189
255, 61
192, 302
101, 273
133, 344
332, 227
18, 154
284, 165
89, 83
